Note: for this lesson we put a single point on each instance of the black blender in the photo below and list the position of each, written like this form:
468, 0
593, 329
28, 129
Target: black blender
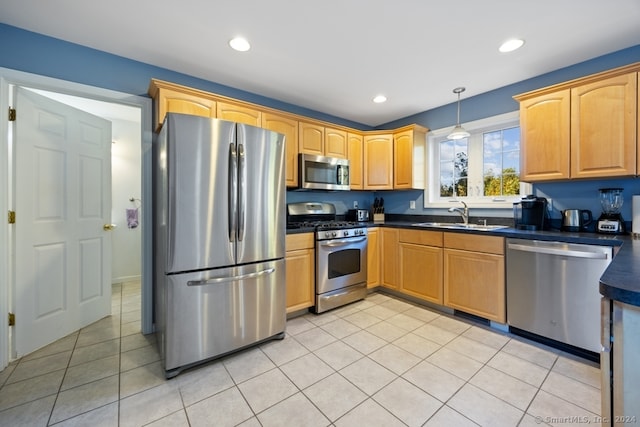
610, 221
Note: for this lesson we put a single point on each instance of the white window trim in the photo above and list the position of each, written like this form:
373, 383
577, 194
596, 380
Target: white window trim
432, 197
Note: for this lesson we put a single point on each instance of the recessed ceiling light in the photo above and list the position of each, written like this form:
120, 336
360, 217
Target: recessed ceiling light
379, 99
240, 44
511, 45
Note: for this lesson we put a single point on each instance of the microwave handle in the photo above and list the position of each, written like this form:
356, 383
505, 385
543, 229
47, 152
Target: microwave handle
341, 177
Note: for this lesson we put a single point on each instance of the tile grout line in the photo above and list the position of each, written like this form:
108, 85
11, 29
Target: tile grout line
66, 369
120, 353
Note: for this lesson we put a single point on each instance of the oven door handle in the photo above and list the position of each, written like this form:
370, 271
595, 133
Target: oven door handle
342, 242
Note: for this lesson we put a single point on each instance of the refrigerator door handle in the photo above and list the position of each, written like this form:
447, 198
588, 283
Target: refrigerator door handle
233, 192
231, 278
241, 191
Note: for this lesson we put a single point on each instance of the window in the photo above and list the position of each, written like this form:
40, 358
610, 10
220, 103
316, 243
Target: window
483, 169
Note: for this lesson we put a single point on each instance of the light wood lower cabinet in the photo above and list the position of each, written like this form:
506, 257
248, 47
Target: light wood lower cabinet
300, 271
390, 257
421, 264
373, 257
474, 277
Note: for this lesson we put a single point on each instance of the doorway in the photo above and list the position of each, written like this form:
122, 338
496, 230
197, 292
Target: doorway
90, 99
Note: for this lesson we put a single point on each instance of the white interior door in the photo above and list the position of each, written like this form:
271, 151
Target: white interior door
62, 201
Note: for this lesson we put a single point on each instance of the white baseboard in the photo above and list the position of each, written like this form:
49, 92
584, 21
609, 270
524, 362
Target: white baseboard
123, 279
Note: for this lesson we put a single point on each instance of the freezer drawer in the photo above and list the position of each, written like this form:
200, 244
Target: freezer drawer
552, 290
207, 314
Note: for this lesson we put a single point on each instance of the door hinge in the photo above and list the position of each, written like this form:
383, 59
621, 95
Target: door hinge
12, 319
12, 217
12, 114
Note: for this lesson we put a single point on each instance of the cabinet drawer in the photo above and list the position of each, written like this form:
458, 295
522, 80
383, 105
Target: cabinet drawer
296, 242
474, 242
421, 237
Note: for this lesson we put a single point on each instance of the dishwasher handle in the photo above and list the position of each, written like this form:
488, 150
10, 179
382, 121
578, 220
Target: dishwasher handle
557, 251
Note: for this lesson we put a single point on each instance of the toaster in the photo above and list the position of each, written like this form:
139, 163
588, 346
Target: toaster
360, 215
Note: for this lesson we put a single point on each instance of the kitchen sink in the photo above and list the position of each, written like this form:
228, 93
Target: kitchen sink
460, 226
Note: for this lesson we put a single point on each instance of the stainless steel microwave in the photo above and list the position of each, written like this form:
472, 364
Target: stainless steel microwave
323, 173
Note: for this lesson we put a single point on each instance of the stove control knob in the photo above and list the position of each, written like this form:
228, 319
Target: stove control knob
327, 234
346, 233
334, 234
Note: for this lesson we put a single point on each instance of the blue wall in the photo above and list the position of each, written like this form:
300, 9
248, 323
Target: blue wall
34, 53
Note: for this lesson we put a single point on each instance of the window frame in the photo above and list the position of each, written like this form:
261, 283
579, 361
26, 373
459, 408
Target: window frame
432, 198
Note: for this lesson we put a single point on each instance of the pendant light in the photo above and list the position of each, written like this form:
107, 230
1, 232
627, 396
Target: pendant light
458, 132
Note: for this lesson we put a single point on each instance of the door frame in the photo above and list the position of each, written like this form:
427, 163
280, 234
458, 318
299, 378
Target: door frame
8, 78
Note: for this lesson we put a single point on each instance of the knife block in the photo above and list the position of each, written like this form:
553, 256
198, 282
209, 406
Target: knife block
378, 218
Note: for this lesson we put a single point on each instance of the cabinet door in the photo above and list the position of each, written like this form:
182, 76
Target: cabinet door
238, 113
300, 278
544, 131
289, 128
603, 128
311, 138
354, 149
373, 258
173, 101
335, 143
474, 283
403, 159
378, 162
389, 253
300, 272
421, 272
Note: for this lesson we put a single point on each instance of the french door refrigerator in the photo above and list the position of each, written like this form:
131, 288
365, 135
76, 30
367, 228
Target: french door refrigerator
219, 238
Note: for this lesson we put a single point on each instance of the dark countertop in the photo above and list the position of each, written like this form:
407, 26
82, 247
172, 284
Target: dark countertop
620, 281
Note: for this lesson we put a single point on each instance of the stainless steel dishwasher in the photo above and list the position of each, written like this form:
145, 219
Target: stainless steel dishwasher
552, 290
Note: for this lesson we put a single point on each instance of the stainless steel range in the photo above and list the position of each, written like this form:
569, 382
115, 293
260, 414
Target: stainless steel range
341, 253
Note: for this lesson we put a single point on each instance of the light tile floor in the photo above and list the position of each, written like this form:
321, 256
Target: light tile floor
377, 362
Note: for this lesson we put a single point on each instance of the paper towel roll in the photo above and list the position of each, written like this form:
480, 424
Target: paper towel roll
635, 212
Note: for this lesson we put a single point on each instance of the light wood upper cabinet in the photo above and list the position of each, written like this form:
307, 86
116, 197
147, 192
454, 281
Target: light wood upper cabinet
322, 141
409, 147
311, 138
373, 257
545, 137
354, 154
604, 127
239, 113
583, 128
289, 128
421, 273
378, 162
170, 100
300, 275
474, 276
335, 143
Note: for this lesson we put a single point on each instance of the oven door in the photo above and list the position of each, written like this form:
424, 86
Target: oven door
340, 263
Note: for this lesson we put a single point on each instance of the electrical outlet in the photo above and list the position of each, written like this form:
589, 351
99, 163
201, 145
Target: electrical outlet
412, 204
550, 205
355, 204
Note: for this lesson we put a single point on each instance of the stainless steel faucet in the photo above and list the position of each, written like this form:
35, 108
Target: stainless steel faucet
464, 212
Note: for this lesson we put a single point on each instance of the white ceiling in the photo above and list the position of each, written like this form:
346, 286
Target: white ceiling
334, 56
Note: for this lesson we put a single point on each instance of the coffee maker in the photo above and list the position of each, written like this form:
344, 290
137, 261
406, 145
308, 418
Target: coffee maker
530, 213
610, 221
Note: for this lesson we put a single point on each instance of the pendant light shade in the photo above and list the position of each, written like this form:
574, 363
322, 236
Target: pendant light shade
458, 131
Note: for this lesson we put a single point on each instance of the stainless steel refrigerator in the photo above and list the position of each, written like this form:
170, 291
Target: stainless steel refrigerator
219, 238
